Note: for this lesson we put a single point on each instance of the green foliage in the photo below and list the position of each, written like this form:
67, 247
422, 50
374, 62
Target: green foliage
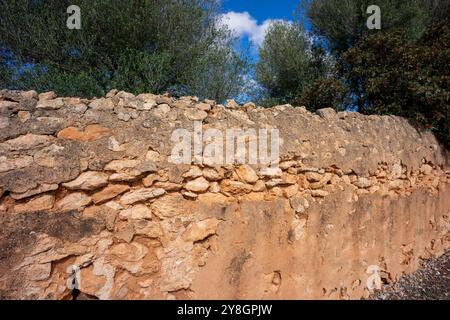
134, 45
343, 22
288, 63
323, 93
294, 69
402, 69
142, 71
393, 75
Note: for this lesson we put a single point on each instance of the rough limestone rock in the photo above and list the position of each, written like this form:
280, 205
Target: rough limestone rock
198, 185
90, 185
90, 180
247, 174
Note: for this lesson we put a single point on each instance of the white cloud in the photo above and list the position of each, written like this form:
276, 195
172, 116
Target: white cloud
243, 24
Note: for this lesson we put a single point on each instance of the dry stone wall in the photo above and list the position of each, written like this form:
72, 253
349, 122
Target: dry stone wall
89, 199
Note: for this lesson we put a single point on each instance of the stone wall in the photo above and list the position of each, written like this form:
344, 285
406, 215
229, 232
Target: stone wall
88, 196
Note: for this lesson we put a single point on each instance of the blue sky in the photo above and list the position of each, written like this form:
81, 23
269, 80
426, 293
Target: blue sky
263, 9
250, 19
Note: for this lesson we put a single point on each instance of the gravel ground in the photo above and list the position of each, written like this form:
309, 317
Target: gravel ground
430, 282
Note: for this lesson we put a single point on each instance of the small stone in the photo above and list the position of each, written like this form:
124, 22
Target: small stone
198, 185
212, 174
134, 114
259, 186
16, 163
195, 114
74, 201
346, 179
150, 229
124, 177
270, 172
91, 133
168, 186
6, 105
41, 203
214, 187
152, 178
54, 104
147, 124
274, 182
232, 104
426, 169
287, 164
125, 95
112, 93
298, 226
249, 106
30, 95
163, 100
40, 189
23, 116
130, 103
148, 105
200, 230
126, 234
290, 191
137, 212
313, 176
129, 170
326, 113
28, 141
203, 106
102, 104
146, 167
307, 169
210, 102
114, 145
247, 174
129, 252
289, 178
89, 181
114, 205
194, 172
109, 192
299, 204
148, 98
47, 125
189, 194
182, 104
169, 206
122, 165
47, 96
319, 193
161, 110
123, 116
153, 156
72, 101
39, 271
4, 122
142, 194
396, 171
234, 187
396, 184
363, 183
